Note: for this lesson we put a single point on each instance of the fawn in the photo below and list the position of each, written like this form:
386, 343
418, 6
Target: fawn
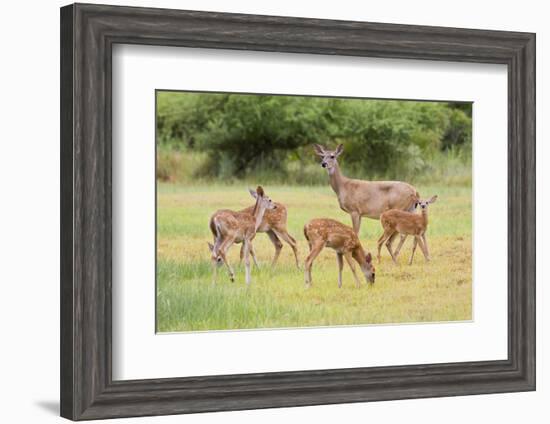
406, 223
330, 233
274, 224
231, 227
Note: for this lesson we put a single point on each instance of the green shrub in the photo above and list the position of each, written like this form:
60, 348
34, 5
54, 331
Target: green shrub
459, 130
242, 135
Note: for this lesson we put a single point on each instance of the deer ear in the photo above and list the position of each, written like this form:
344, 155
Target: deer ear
339, 150
319, 150
369, 258
252, 193
211, 247
260, 191
433, 199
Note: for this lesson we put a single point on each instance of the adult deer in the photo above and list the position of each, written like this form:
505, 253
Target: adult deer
406, 223
274, 224
323, 232
231, 227
365, 198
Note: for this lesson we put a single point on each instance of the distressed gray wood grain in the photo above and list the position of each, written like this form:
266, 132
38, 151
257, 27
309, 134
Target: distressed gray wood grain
88, 33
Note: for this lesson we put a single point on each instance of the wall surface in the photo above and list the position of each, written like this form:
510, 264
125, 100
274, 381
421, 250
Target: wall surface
29, 242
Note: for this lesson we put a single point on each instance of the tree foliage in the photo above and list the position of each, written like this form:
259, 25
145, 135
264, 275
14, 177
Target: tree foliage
243, 133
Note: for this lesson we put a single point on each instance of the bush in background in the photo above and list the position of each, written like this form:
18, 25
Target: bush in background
238, 136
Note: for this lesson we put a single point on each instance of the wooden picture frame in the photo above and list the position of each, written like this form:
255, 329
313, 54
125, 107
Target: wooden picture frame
88, 33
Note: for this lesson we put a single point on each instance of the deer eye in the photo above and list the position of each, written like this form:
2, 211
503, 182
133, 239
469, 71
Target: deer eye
332, 156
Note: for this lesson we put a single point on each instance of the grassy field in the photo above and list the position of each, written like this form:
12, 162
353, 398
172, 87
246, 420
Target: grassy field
440, 290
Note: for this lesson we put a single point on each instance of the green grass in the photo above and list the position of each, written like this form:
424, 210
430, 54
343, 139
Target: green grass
190, 168
440, 290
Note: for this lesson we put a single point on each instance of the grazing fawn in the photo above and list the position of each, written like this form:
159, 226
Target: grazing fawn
406, 223
365, 198
230, 227
330, 233
274, 224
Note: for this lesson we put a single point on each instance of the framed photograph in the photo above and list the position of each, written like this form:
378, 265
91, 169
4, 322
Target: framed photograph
262, 212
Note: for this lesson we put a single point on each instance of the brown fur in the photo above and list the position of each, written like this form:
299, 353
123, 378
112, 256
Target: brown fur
405, 223
241, 224
274, 223
365, 198
327, 232
229, 227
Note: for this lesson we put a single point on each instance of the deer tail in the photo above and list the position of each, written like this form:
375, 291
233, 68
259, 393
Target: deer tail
212, 226
218, 228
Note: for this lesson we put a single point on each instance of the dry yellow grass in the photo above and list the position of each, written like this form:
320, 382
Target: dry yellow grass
440, 290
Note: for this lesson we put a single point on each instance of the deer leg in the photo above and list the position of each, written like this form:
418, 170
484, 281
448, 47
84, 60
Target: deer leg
387, 238
424, 248
224, 247
427, 254
379, 245
247, 248
253, 254
356, 221
278, 245
389, 243
315, 250
414, 248
349, 260
340, 260
291, 242
241, 254
384, 238
399, 246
